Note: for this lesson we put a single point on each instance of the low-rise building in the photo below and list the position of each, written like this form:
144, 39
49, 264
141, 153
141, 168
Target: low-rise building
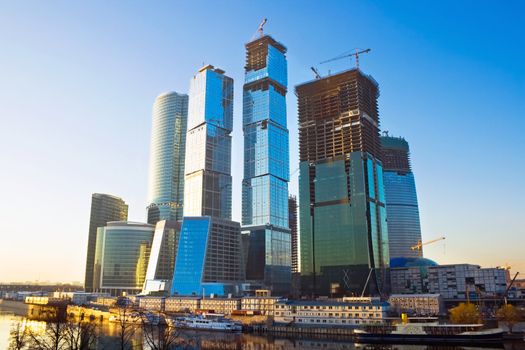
330, 313
104, 301
182, 304
417, 304
451, 281
221, 305
151, 303
263, 304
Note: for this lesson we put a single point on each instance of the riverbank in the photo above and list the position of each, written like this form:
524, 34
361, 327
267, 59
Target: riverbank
19, 308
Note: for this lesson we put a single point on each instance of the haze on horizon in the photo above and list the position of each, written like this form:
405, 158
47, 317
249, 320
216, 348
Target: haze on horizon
78, 80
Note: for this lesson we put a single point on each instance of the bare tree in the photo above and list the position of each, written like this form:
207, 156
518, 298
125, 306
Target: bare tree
52, 338
126, 326
19, 337
81, 335
160, 334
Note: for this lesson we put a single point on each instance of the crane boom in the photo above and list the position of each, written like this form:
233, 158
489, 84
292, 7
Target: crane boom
355, 54
419, 245
260, 30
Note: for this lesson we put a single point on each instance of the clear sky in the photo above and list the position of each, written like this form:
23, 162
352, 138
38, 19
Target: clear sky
78, 80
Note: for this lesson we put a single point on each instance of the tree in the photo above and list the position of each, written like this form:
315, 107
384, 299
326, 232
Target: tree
81, 335
509, 315
52, 338
126, 328
19, 337
465, 313
161, 335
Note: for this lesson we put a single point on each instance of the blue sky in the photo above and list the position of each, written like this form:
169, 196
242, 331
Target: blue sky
78, 80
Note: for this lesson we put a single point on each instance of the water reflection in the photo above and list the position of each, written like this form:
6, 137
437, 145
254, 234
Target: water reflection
108, 340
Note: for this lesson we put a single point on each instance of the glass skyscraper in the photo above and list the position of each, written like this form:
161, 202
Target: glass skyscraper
122, 255
104, 208
209, 257
404, 229
208, 181
342, 213
266, 166
167, 155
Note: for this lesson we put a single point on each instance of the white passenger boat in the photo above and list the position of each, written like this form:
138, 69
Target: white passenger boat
212, 322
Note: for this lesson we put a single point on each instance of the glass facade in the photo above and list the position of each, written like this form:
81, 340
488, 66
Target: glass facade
342, 215
167, 157
404, 227
403, 214
209, 257
266, 166
163, 249
124, 250
208, 183
104, 208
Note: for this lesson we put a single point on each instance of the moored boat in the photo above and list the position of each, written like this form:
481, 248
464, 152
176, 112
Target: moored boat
212, 322
417, 333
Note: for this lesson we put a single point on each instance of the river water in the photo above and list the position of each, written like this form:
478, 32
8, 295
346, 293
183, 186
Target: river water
216, 340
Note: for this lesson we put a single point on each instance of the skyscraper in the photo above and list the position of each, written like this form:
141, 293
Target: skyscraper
266, 165
209, 256
104, 208
404, 229
343, 229
208, 181
167, 155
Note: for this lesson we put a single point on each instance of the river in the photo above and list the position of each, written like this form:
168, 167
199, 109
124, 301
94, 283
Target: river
215, 340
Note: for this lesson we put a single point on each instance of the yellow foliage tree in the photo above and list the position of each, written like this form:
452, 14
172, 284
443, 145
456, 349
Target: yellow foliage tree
465, 313
509, 315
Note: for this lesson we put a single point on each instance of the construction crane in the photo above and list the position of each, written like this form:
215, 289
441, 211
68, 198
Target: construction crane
316, 73
355, 54
260, 31
419, 245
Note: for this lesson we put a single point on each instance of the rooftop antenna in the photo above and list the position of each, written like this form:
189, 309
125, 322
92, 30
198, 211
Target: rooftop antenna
260, 31
355, 54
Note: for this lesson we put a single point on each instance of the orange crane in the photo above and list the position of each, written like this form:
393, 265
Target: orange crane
419, 245
355, 54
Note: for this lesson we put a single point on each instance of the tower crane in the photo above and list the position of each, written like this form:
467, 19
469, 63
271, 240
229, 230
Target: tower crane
355, 54
316, 73
260, 31
419, 245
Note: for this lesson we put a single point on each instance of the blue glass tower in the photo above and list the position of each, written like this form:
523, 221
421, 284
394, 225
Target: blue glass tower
266, 234
404, 228
209, 256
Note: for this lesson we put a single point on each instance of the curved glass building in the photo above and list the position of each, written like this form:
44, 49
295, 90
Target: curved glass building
167, 155
404, 230
121, 257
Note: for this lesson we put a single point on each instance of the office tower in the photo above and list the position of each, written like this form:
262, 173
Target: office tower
167, 155
266, 166
208, 181
104, 208
404, 230
292, 220
162, 256
209, 255
342, 213
122, 252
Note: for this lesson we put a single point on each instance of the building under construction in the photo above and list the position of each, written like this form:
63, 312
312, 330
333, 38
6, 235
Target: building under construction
404, 229
343, 230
